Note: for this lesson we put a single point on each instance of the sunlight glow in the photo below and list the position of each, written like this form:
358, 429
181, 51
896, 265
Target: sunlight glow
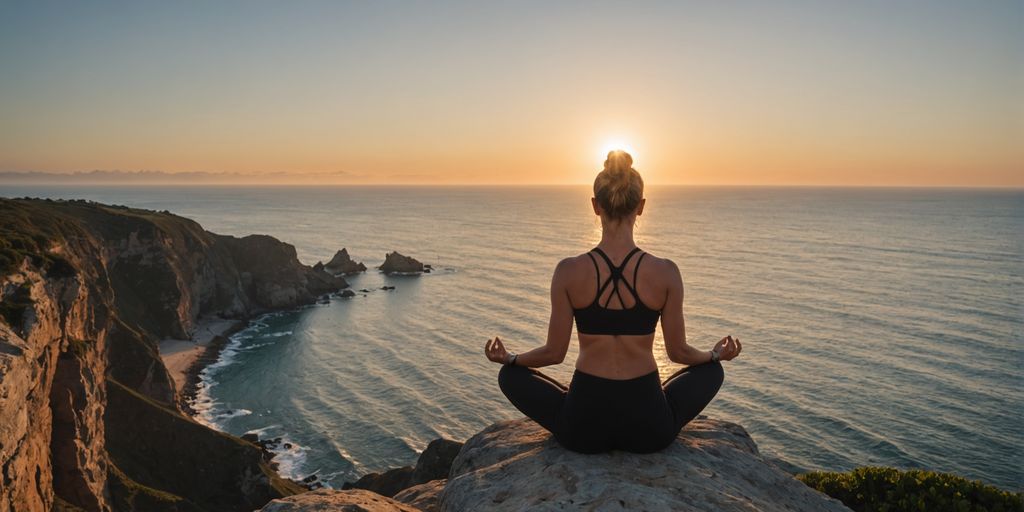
613, 144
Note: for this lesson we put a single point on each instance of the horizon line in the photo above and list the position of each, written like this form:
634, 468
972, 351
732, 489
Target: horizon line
512, 185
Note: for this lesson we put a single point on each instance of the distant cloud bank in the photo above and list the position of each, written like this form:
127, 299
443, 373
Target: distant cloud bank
105, 177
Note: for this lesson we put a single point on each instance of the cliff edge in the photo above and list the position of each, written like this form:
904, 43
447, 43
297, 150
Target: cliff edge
517, 465
89, 417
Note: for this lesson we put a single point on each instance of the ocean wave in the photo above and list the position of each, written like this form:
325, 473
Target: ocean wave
262, 430
289, 456
231, 413
202, 403
256, 346
276, 334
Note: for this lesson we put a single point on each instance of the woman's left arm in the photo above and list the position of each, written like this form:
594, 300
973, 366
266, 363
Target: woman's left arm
559, 326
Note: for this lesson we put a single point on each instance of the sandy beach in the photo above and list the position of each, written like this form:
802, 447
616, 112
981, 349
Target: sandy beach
181, 356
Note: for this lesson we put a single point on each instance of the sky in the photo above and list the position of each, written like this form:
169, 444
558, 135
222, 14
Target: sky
876, 93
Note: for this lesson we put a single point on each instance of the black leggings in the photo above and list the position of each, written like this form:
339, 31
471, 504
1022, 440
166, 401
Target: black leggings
595, 414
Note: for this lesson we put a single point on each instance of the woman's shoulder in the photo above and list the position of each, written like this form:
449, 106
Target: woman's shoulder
583, 264
660, 272
659, 264
573, 264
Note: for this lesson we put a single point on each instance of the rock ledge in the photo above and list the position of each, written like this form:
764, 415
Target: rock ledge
517, 465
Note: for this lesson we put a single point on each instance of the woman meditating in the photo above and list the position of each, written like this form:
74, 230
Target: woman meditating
616, 293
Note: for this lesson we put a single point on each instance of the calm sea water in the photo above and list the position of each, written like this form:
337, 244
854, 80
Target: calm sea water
880, 326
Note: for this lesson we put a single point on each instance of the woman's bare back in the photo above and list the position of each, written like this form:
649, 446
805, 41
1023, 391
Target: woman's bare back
616, 356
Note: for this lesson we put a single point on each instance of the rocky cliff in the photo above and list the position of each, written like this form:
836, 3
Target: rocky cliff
88, 414
517, 465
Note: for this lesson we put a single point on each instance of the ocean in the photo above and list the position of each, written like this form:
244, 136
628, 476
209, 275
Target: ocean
880, 326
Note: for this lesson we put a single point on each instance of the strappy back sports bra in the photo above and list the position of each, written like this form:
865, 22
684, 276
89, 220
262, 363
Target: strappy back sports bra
597, 319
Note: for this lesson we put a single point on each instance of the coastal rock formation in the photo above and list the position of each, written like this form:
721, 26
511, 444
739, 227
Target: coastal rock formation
436, 461
423, 496
341, 263
433, 463
270, 274
395, 263
328, 500
517, 465
713, 465
88, 413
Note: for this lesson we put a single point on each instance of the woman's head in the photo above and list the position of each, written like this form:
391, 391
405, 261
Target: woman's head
618, 189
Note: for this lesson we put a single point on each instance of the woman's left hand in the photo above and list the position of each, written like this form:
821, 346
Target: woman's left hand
495, 350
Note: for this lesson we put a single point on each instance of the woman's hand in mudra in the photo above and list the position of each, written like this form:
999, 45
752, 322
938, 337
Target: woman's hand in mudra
728, 348
495, 350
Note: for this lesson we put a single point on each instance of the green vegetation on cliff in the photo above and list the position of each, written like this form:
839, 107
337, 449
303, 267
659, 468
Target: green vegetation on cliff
882, 489
159, 448
27, 229
127, 494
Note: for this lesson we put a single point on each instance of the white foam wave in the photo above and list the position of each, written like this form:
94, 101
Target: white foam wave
262, 430
276, 334
232, 413
290, 458
256, 346
203, 404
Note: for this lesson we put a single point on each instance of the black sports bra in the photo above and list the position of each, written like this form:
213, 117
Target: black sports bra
595, 319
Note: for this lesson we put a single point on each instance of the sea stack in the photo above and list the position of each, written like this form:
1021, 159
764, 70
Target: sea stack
396, 263
342, 263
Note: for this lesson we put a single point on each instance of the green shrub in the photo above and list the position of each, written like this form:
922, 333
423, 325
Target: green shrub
881, 489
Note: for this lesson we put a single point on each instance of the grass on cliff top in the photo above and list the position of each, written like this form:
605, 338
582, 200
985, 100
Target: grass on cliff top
882, 489
29, 227
27, 230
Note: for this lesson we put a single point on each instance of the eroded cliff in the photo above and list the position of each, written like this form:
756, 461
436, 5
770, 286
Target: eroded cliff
88, 414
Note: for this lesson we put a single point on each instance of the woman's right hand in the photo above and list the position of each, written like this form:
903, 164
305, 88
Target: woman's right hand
728, 348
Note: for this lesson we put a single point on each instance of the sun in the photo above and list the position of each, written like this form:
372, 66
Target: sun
617, 143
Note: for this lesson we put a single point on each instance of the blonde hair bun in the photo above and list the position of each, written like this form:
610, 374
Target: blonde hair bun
619, 187
618, 161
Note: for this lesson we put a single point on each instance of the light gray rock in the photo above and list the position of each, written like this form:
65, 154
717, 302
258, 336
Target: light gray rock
330, 500
714, 465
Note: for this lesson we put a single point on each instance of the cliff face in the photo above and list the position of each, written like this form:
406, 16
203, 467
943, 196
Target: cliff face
87, 408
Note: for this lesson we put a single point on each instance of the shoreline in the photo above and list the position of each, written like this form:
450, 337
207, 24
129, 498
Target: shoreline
185, 359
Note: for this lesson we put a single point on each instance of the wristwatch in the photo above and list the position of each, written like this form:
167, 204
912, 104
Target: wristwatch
512, 360
715, 356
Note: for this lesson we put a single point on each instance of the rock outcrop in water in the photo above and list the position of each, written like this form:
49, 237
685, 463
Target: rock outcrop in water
88, 414
342, 263
395, 263
517, 465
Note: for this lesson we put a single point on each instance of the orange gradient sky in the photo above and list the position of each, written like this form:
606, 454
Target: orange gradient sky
779, 93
